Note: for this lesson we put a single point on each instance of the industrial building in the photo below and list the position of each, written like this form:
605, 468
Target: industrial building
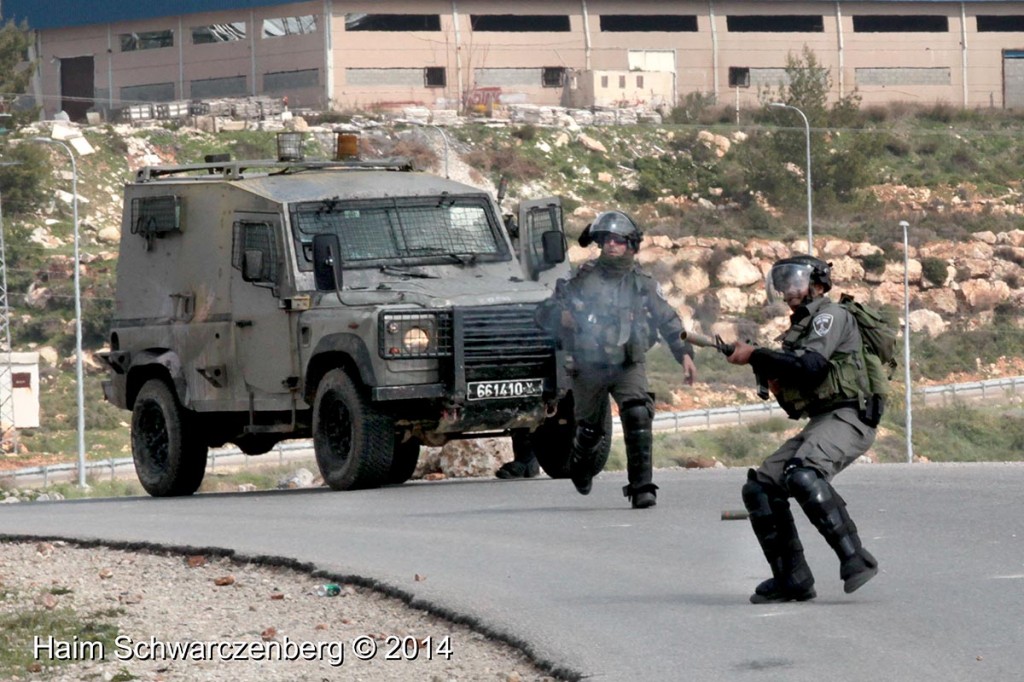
458, 54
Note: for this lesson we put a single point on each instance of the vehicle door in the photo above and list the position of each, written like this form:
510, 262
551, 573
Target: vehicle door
536, 217
262, 326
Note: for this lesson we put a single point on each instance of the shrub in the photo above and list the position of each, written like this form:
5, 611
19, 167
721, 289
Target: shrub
934, 270
874, 262
22, 182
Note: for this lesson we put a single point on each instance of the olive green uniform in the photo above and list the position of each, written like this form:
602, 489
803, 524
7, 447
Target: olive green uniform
835, 436
821, 374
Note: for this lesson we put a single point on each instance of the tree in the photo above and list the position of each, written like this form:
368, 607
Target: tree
839, 157
15, 69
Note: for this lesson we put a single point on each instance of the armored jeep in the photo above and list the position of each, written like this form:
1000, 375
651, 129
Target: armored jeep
370, 307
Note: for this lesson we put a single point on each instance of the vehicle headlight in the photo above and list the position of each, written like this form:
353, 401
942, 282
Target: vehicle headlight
415, 335
416, 340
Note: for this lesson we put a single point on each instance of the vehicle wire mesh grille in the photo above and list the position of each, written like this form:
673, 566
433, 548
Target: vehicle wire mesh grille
505, 343
439, 330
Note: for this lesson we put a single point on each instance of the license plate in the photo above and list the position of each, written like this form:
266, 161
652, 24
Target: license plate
508, 388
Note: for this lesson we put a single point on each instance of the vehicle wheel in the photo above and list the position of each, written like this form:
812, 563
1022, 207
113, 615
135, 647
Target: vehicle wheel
403, 461
552, 441
354, 443
169, 453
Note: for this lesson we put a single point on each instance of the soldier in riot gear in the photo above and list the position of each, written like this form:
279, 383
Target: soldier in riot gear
608, 315
817, 374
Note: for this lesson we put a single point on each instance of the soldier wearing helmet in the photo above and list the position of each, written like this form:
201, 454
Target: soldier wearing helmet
608, 315
814, 375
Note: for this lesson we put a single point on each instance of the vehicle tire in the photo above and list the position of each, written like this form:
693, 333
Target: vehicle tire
552, 441
403, 461
354, 443
168, 450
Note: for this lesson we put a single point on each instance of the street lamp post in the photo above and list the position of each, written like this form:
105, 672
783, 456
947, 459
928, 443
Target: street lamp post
78, 310
807, 173
906, 339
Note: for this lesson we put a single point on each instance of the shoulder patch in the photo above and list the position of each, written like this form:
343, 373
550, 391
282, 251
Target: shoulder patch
822, 323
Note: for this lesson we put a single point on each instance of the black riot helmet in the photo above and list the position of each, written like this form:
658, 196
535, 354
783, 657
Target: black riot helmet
609, 223
797, 274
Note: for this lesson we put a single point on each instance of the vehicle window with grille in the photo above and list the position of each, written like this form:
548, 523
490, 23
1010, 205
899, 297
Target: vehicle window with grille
256, 237
442, 231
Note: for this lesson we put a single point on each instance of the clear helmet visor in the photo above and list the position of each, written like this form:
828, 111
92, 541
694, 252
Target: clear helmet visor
787, 281
613, 222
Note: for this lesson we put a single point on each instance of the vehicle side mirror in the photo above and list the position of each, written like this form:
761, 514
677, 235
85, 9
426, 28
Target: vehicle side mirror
553, 243
252, 266
327, 262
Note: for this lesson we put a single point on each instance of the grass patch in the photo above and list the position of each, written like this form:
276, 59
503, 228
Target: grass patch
18, 630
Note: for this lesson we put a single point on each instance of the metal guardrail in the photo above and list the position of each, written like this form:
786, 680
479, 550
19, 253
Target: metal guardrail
663, 421
113, 464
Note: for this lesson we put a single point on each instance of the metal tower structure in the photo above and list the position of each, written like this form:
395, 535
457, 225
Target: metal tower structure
6, 375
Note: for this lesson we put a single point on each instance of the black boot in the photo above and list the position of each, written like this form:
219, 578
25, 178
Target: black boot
827, 511
524, 463
776, 532
581, 461
636, 425
518, 469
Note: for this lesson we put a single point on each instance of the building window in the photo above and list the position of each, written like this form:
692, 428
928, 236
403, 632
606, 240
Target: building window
435, 77
891, 23
739, 77
151, 92
639, 81
283, 81
146, 40
622, 82
207, 88
604, 81
644, 23
288, 26
553, 76
1001, 24
775, 23
218, 33
392, 22
520, 23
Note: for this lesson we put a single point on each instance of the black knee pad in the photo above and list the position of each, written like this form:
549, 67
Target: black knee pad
588, 437
802, 483
760, 497
636, 416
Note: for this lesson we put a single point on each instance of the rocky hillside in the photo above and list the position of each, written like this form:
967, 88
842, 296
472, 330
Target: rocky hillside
715, 281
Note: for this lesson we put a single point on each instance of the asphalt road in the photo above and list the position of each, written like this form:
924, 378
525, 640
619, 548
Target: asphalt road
590, 587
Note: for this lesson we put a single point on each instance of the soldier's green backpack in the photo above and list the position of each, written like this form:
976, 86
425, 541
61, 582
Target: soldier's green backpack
878, 330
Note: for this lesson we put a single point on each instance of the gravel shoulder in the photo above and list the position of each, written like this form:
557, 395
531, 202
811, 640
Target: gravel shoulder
175, 617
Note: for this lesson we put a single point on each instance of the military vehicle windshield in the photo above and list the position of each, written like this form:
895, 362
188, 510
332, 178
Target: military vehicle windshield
421, 230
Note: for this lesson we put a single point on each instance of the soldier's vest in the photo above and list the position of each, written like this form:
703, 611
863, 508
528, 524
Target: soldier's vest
845, 384
612, 324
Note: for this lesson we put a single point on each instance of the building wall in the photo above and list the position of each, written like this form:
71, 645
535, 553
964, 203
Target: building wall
22, 385
729, 49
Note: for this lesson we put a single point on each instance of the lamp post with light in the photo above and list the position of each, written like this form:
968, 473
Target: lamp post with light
78, 310
810, 213
906, 339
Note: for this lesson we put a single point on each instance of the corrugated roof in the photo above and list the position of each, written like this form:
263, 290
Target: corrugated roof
65, 13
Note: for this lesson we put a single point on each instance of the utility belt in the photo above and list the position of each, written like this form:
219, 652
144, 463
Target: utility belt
870, 413
818, 410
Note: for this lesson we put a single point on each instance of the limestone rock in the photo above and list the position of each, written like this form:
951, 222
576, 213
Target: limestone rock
738, 271
475, 457
927, 321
